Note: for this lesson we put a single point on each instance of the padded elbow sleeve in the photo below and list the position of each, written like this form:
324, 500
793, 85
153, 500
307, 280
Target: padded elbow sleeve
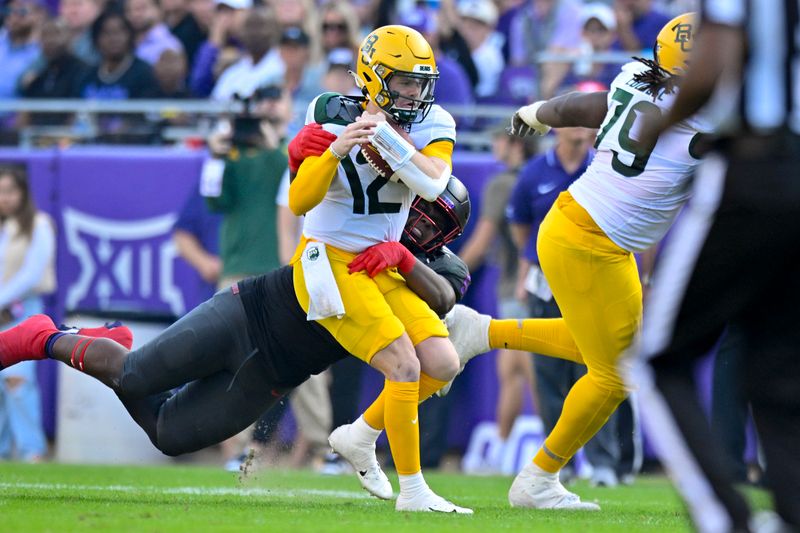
426, 187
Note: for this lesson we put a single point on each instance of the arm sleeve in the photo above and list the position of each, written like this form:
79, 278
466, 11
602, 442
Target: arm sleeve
454, 270
312, 182
442, 149
39, 255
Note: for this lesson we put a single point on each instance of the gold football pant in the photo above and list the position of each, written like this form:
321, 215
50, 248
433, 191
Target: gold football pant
596, 285
378, 311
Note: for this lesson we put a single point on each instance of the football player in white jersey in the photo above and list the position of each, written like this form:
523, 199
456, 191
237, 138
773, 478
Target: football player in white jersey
392, 144
624, 203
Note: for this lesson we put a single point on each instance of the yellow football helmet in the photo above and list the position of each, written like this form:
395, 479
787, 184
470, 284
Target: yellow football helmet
674, 43
392, 51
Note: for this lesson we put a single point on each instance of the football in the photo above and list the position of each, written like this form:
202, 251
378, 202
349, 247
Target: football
374, 158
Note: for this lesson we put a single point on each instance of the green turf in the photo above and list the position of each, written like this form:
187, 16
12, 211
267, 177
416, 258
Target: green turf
52, 497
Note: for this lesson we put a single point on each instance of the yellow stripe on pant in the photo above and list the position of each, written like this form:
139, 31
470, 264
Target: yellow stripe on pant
596, 285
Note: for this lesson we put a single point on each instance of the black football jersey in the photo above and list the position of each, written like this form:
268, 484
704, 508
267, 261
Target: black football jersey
294, 348
448, 265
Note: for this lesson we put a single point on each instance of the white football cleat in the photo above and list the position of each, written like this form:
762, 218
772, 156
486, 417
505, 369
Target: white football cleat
544, 492
428, 502
469, 332
363, 460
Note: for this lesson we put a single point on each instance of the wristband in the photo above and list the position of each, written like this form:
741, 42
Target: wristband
336, 155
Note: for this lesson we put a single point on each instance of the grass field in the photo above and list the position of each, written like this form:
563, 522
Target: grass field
52, 497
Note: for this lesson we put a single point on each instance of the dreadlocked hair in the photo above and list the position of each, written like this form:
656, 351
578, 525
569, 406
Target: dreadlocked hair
655, 78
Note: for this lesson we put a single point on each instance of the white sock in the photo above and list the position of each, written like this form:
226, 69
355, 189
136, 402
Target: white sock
365, 433
413, 484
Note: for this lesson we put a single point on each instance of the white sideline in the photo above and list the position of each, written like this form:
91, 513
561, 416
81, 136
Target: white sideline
198, 491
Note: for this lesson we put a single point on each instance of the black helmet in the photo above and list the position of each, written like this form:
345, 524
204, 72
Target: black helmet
448, 215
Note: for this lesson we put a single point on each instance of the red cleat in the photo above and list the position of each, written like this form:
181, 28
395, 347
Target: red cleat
114, 331
26, 341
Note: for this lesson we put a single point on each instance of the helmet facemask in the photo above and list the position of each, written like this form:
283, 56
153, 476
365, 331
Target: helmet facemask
430, 226
394, 104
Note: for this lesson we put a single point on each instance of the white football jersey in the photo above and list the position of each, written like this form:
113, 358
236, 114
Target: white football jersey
631, 191
362, 208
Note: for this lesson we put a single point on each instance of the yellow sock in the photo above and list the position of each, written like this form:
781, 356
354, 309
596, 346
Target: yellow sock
546, 336
586, 408
374, 415
428, 386
402, 427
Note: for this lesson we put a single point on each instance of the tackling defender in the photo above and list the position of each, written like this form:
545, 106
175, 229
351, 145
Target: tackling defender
353, 200
237, 354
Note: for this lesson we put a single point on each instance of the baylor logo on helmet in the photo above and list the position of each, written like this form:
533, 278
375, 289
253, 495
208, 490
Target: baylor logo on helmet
683, 35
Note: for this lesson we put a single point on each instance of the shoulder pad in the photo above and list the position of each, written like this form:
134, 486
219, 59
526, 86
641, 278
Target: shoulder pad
335, 108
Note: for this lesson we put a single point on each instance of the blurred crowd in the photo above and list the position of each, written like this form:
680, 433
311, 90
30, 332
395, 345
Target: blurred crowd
505, 52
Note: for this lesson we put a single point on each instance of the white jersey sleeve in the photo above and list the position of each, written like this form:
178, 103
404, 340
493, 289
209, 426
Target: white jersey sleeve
634, 191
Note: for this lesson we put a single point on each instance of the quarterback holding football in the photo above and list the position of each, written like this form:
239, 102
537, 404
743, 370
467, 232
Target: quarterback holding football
391, 145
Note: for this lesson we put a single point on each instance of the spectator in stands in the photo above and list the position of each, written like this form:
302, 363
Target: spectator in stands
599, 27
223, 46
478, 19
545, 26
119, 76
339, 27
337, 77
302, 14
203, 12
303, 76
19, 46
79, 16
491, 241
261, 64
451, 42
27, 271
183, 25
60, 75
507, 12
170, 71
638, 24
151, 34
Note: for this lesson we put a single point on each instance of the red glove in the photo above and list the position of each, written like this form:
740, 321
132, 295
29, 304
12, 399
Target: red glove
311, 140
379, 257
